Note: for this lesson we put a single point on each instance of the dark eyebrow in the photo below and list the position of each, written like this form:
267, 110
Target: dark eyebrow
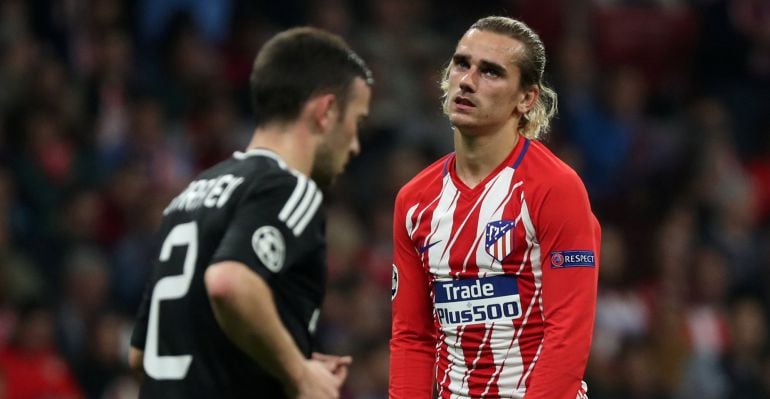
459, 57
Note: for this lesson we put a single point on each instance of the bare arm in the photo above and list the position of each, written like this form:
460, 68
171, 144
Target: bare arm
244, 308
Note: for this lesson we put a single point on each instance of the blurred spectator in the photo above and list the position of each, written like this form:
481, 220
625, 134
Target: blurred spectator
30, 364
21, 279
725, 190
210, 16
135, 252
85, 294
707, 327
746, 362
621, 313
332, 15
640, 377
209, 130
392, 56
104, 362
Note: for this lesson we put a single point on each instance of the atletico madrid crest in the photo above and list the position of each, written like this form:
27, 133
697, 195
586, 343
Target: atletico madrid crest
499, 238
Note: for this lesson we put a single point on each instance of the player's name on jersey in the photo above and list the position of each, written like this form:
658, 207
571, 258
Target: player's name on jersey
205, 192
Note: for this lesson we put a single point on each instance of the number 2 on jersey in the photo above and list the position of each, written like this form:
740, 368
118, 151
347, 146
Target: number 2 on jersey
168, 288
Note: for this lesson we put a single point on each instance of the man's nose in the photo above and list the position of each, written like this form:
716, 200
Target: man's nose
468, 81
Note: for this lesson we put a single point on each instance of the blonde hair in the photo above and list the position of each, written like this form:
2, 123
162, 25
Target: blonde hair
535, 123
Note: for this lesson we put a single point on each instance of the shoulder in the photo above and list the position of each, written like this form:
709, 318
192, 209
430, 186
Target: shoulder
288, 192
428, 179
264, 172
266, 180
545, 170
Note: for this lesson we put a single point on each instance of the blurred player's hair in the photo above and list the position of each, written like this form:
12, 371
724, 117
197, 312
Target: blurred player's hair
535, 123
298, 64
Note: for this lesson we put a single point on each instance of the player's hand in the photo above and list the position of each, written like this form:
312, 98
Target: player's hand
317, 382
337, 365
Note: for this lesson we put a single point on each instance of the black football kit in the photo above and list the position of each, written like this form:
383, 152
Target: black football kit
252, 209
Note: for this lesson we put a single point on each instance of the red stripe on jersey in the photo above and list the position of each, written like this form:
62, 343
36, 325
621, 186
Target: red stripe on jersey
482, 364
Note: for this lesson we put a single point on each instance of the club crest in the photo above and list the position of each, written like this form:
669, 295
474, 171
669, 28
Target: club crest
499, 239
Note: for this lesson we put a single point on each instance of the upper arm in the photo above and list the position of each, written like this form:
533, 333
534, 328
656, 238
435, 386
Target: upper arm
221, 279
569, 238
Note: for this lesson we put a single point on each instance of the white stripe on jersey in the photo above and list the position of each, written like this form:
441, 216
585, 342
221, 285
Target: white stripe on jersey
456, 355
408, 223
296, 216
441, 228
300, 210
537, 273
419, 217
484, 195
295, 196
300, 227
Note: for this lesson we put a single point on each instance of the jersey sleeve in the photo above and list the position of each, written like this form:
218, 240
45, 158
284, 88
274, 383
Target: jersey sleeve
268, 230
569, 237
412, 343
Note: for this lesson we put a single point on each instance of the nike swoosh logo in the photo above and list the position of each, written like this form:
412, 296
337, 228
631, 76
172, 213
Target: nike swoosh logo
422, 249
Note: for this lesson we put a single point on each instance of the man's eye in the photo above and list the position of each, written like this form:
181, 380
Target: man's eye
490, 72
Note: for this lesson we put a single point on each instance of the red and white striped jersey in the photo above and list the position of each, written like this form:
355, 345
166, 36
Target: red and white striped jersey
494, 287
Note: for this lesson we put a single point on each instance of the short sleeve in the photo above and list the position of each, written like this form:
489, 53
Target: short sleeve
269, 228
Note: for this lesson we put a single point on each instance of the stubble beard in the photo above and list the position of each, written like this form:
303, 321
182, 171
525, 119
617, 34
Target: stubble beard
323, 173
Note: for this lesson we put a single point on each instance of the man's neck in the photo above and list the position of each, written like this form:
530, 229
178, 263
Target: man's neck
292, 142
479, 155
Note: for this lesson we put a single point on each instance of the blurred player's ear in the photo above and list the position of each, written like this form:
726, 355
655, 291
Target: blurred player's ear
324, 111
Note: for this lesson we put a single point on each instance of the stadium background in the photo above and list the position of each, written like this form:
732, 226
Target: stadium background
109, 107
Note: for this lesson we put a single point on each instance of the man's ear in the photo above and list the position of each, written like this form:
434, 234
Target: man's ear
324, 111
527, 101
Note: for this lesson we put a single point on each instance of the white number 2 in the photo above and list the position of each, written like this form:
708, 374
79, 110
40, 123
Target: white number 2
168, 288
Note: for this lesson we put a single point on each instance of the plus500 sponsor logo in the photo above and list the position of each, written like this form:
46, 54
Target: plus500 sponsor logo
478, 313
477, 301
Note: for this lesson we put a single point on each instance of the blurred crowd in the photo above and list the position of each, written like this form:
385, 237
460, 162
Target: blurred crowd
109, 107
